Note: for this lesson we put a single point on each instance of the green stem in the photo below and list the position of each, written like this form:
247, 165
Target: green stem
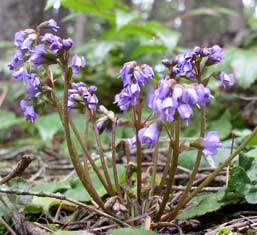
101, 153
73, 153
223, 165
115, 173
173, 169
182, 202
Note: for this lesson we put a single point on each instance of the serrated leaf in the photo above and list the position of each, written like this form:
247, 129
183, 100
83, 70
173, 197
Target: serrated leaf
48, 126
8, 119
130, 231
208, 203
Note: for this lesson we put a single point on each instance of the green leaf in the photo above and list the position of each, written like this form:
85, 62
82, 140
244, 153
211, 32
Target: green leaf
48, 126
123, 17
187, 159
106, 4
244, 66
145, 49
89, 7
131, 231
8, 119
208, 203
222, 125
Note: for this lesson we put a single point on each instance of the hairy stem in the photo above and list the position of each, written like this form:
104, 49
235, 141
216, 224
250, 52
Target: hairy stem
87, 156
101, 153
182, 202
73, 153
155, 160
137, 122
115, 173
173, 169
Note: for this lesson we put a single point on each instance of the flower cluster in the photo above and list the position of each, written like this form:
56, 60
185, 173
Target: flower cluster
34, 50
81, 94
185, 63
134, 77
171, 96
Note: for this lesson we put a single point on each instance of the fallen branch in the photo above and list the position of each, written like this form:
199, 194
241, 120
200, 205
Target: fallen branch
64, 198
18, 169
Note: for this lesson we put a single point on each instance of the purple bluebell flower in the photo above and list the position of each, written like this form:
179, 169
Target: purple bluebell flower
177, 94
215, 53
149, 135
53, 25
211, 143
28, 111
189, 95
21, 74
204, 94
185, 111
77, 63
168, 109
54, 41
67, 43
126, 72
128, 96
227, 79
33, 85
37, 58
197, 50
16, 60
19, 38
163, 89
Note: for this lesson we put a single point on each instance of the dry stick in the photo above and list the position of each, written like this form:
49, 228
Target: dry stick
224, 164
64, 198
172, 171
73, 153
7, 226
18, 169
101, 153
180, 205
75, 130
115, 173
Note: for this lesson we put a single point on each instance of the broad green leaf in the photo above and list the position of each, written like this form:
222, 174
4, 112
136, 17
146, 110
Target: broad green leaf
187, 159
251, 196
252, 153
123, 17
89, 7
244, 66
168, 37
131, 231
222, 125
208, 203
8, 119
48, 125
106, 4
145, 49
52, 187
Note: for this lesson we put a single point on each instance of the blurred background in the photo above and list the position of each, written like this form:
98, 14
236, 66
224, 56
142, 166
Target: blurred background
109, 33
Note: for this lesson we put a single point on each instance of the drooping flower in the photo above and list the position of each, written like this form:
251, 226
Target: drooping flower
128, 96
189, 95
19, 38
67, 43
204, 94
215, 53
55, 42
211, 143
37, 58
16, 60
150, 134
53, 25
33, 85
168, 109
28, 111
21, 74
185, 111
77, 63
227, 79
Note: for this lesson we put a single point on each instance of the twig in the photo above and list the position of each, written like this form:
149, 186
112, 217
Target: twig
64, 198
7, 226
18, 170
